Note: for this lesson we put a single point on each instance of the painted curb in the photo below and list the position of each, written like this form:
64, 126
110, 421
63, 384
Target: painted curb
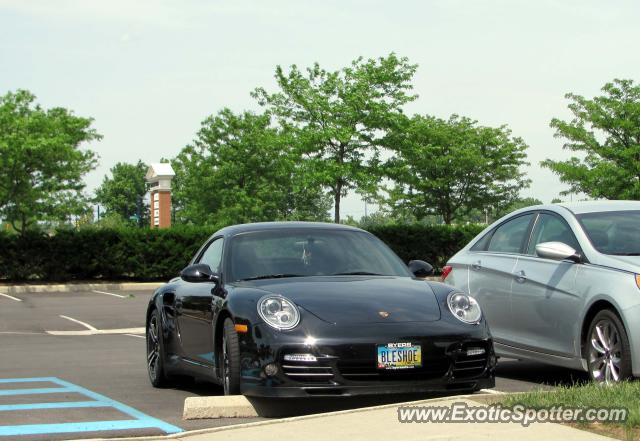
78, 287
232, 406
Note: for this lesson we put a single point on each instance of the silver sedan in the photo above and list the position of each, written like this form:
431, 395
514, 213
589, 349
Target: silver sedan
559, 284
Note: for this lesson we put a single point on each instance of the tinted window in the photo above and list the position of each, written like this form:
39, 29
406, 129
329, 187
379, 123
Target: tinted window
482, 244
550, 228
311, 252
212, 256
509, 237
613, 232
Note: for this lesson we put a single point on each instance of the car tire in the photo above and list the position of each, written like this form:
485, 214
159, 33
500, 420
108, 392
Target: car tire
155, 352
230, 359
607, 349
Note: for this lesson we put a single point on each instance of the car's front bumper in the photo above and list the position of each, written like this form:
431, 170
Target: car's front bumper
346, 361
301, 391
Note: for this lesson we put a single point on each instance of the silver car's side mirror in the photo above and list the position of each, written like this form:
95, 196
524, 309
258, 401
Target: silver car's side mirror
557, 251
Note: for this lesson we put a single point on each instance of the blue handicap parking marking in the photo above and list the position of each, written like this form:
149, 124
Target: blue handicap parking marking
47, 390
61, 405
139, 420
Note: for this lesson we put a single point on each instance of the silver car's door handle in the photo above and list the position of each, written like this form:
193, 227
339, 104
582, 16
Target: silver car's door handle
520, 276
476, 265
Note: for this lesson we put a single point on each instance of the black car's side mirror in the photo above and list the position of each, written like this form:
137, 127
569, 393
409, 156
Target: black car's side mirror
420, 268
198, 273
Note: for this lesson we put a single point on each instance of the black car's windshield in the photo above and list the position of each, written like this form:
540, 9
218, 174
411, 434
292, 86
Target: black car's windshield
310, 252
613, 232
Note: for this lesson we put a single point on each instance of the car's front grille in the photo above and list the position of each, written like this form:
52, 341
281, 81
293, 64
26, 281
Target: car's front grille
468, 366
366, 370
307, 372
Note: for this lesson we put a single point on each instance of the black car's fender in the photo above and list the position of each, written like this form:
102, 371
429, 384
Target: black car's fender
239, 304
163, 300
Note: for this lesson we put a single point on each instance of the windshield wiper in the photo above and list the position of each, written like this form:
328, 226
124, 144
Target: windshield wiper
357, 273
271, 276
626, 254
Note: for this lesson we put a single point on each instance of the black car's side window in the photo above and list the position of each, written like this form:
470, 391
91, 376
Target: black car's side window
212, 256
510, 236
550, 228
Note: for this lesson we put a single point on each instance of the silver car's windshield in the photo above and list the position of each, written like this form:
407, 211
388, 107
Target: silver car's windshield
613, 232
311, 252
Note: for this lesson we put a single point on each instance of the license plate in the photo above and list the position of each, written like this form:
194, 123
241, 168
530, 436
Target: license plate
399, 356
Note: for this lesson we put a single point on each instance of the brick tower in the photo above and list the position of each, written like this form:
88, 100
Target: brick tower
159, 176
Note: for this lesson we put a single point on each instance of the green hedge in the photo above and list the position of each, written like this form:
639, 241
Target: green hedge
133, 253
144, 254
432, 243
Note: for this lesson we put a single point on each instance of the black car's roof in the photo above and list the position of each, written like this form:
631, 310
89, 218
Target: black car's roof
262, 226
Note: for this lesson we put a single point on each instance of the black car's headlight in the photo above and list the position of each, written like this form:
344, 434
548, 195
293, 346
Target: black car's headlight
278, 312
464, 307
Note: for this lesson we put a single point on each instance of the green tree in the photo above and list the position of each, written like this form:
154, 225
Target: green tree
606, 130
123, 193
241, 169
377, 218
516, 205
451, 167
41, 161
489, 214
339, 118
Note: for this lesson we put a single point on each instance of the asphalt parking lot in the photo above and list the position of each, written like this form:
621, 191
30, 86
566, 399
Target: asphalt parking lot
72, 366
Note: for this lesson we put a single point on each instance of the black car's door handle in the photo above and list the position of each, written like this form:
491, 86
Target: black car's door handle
476, 265
520, 276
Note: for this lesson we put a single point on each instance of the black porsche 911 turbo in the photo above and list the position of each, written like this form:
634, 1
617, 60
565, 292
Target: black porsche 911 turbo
295, 309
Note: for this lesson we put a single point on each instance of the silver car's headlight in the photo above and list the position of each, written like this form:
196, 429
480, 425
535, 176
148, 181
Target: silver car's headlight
278, 312
464, 307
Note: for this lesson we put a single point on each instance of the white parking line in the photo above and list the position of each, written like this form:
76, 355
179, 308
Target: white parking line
86, 325
20, 333
133, 335
94, 331
10, 297
109, 294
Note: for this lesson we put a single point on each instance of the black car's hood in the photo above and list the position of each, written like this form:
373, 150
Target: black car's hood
358, 299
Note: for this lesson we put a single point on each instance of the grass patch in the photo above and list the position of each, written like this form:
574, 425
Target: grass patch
591, 395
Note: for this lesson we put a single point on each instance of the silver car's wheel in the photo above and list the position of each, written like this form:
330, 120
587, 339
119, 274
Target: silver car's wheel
609, 358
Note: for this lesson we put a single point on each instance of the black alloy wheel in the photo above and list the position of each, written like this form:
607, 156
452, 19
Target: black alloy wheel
155, 352
230, 359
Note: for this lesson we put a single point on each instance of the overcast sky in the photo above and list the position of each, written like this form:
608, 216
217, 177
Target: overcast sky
150, 71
